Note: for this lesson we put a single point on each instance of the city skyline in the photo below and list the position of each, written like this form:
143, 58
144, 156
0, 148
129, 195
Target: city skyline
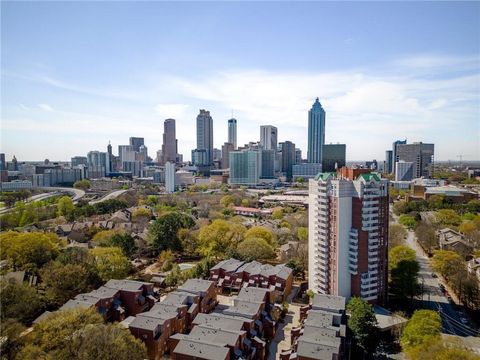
376, 86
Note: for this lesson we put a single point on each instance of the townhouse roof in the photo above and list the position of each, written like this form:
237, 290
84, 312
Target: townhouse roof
74, 304
219, 321
228, 265
215, 336
126, 285
196, 286
147, 322
328, 302
252, 294
319, 318
177, 297
104, 292
243, 308
87, 298
201, 350
165, 309
42, 317
313, 350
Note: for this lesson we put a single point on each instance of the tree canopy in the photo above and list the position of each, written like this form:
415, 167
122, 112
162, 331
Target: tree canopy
19, 302
403, 267
215, 239
29, 250
163, 232
262, 233
110, 263
82, 184
65, 206
422, 327
363, 323
446, 262
255, 249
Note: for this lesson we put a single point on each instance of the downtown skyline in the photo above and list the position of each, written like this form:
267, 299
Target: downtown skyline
128, 80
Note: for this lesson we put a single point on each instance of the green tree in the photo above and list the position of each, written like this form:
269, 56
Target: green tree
166, 260
467, 228
29, 250
227, 200
403, 267
277, 214
245, 202
65, 206
302, 233
82, 184
19, 302
363, 324
448, 217
263, 233
220, 235
396, 235
255, 249
110, 263
298, 270
63, 282
163, 231
12, 341
407, 221
103, 237
141, 214
124, 242
54, 335
446, 262
423, 326
400, 207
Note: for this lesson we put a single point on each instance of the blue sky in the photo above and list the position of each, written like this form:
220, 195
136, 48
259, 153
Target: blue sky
78, 74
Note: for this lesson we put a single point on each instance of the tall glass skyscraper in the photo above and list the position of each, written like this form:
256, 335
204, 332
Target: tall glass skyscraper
316, 132
232, 132
205, 135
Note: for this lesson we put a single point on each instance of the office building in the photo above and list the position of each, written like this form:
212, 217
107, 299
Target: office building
305, 170
298, 156
169, 177
403, 171
142, 154
136, 142
288, 159
226, 149
394, 152
268, 137
316, 132
170, 142
110, 159
126, 153
217, 154
333, 157
205, 136
97, 164
420, 154
388, 167
133, 167
232, 132
200, 157
3, 164
78, 160
268, 163
348, 234
245, 167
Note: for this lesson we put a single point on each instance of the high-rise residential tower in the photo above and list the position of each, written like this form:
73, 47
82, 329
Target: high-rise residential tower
288, 159
348, 234
169, 147
232, 132
316, 132
205, 135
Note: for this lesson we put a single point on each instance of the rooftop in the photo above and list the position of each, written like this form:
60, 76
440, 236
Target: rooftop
146, 322
202, 350
219, 321
196, 286
243, 308
328, 302
312, 350
228, 265
252, 294
126, 285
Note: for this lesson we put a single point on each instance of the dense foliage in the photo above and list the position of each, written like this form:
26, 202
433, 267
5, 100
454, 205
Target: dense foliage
363, 324
163, 232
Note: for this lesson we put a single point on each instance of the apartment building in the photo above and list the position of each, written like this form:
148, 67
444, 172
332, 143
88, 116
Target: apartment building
348, 234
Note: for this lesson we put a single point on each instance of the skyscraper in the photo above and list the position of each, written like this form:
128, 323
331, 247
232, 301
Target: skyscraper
205, 135
268, 137
245, 167
169, 147
109, 159
288, 159
333, 157
226, 149
232, 132
136, 142
316, 132
169, 177
348, 234
420, 154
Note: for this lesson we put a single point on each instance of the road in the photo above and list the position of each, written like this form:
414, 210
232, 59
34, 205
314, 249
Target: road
434, 299
112, 195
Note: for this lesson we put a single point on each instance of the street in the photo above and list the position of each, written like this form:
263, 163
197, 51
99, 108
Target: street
434, 299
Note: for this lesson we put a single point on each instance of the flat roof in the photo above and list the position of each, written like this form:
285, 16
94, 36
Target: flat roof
201, 350
315, 351
328, 302
252, 294
219, 321
228, 265
144, 321
196, 286
243, 308
126, 285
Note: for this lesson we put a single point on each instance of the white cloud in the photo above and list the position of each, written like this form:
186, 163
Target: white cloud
45, 107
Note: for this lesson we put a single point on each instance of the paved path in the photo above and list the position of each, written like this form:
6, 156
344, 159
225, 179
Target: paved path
282, 341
